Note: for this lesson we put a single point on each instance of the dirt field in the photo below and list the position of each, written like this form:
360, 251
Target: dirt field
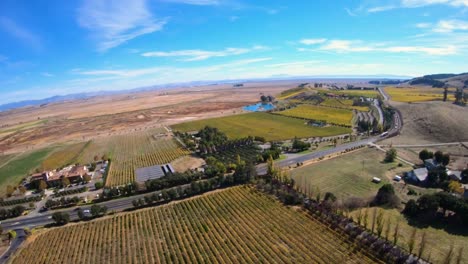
431, 122
74, 121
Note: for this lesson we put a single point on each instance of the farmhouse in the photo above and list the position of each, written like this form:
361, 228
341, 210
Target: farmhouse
454, 175
54, 178
431, 164
418, 175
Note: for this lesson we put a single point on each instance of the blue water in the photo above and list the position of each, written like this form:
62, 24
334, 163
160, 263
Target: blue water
260, 107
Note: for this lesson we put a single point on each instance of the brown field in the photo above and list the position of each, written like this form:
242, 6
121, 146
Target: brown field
431, 122
80, 120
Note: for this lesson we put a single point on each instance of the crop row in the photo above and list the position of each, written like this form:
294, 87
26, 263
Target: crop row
236, 225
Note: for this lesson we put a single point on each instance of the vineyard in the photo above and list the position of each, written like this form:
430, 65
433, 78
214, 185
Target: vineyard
418, 94
330, 115
138, 150
343, 103
65, 156
246, 152
236, 225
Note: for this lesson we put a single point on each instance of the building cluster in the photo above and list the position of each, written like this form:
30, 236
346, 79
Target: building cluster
74, 173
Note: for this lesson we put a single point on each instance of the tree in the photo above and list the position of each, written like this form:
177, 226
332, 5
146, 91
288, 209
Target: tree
411, 208
330, 197
438, 155
10, 190
386, 196
80, 214
22, 189
61, 218
425, 154
445, 159
98, 185
42, 185
104, 157
390, 155
396, 232
86, 178
96, 158
65, 182
445, 93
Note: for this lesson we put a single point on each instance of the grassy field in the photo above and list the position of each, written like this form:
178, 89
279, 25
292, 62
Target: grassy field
331, 115
291, 92
12, 172
64, 156
345, 176
343, 103
438, 240
235, 225
272, 127
417, 94
365, 93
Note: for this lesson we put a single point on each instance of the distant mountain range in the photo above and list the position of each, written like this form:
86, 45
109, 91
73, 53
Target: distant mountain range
69, 97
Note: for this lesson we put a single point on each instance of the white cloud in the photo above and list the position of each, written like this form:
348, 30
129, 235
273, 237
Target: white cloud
194, 2
445, 26
20, 33
116, 22
312, 41
351, 13
420, 3
197, 55
423, 25
47, 74
349, 46
380, 8
233, 18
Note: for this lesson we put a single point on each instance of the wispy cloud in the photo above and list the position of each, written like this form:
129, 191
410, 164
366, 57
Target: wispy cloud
116, 22
351, 13
198, 55
233, 18
423, 25
312, 41
350, 46
380, 8
22, 34
445, 26
193, 2
47, 74
420, 3
416, 4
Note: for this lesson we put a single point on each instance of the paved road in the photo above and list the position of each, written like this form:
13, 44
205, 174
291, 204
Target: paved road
20, 237
379, 109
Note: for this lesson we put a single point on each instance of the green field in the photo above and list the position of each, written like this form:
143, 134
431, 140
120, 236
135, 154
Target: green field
12, 172
344, 176
343, 103
438, 240
328, 114
272, 127
365, 93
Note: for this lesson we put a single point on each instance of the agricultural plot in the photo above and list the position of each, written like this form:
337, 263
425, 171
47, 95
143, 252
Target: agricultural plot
248, 153
19, 167
330, 115
438, 239
236, 225
132, 151
271, 127
418, 94
354, 93
65, 156
347, 175
343, 103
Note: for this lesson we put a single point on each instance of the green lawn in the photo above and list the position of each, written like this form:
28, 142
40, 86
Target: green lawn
12, 172
344, 176
272, 127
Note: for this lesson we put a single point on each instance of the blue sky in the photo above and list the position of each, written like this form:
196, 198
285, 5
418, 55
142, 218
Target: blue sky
61, 47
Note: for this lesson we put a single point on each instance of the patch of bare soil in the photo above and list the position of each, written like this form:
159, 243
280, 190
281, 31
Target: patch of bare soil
185, 163
431, 122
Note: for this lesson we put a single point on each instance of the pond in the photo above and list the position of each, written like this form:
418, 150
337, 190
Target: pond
259, 107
